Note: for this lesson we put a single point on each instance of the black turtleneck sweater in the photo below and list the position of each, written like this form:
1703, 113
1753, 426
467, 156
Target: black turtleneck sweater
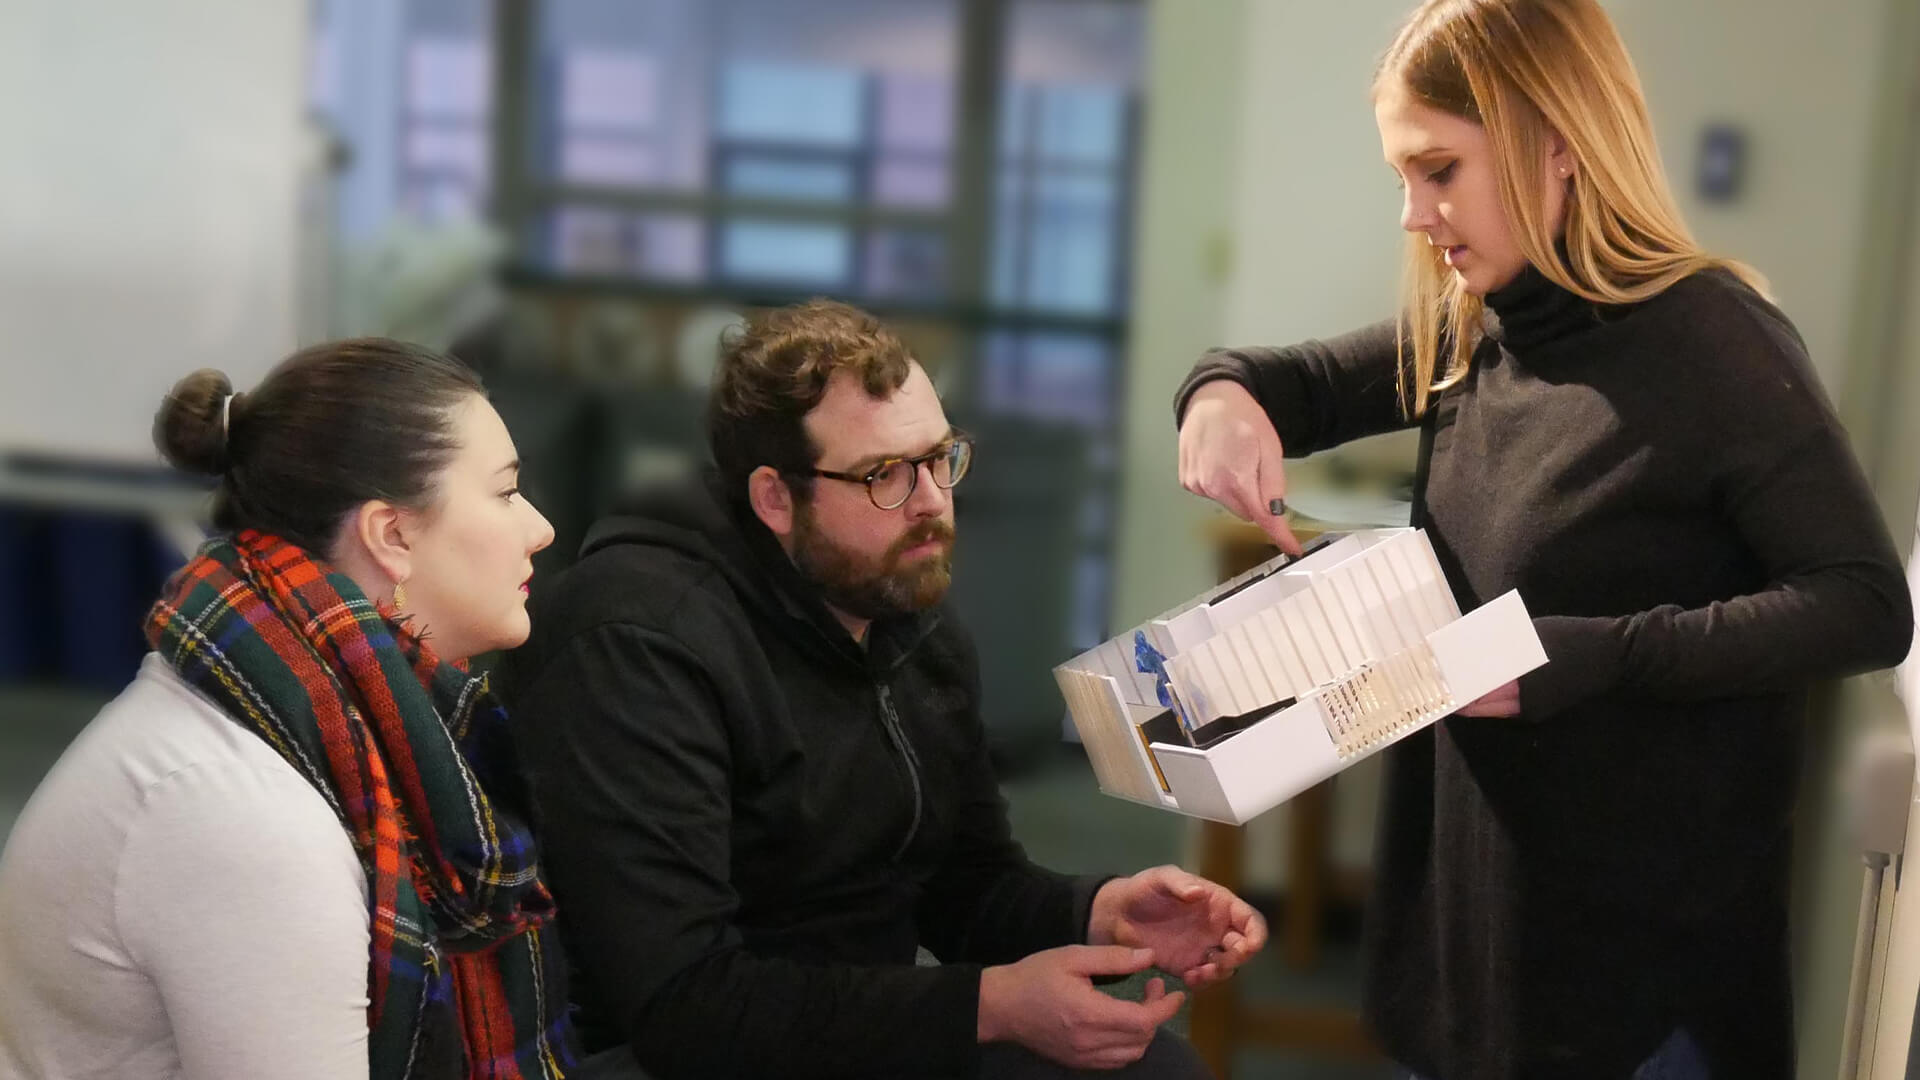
1668, 488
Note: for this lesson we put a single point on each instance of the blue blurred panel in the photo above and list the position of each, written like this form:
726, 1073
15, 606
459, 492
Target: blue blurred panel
911, 181
915, 112
451, 17
594, 240
590, 240
906, 263
1006, 268
672, 247
785, 103
1055, 242
1071, 378
1049, 376
1091, 574
1016, 118
798, 254
1071, 264
611, 160
1085, 198
1076, 42
620, 94
106, 570
817, 181
1081, 124
673, 24
1057, 198
26, 595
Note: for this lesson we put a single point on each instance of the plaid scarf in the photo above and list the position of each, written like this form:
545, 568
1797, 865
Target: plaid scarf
464, 978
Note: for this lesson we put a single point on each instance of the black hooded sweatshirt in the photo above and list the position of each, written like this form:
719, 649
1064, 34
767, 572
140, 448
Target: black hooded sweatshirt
751, 822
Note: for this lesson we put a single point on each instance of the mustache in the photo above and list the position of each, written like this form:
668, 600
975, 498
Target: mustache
933, 529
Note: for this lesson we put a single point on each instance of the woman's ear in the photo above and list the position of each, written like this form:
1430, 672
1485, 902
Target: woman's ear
771, 499
1560, 162
381, 530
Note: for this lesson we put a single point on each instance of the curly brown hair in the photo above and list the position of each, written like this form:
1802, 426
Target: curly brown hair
774, 370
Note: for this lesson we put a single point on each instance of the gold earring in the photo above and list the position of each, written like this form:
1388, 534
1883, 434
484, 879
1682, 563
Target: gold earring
399, 595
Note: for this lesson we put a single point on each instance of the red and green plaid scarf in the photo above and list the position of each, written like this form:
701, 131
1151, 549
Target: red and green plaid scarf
465, 977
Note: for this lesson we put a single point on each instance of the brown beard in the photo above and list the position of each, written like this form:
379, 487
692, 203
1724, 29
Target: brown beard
868, 588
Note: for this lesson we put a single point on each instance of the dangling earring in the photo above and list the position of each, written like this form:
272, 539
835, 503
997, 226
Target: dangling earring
399, 595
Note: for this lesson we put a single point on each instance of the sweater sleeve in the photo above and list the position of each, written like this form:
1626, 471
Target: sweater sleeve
239, 894
627, 738
1319, 394
1834, 602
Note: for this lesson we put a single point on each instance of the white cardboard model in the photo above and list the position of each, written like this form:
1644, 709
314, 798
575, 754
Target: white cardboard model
1312, 664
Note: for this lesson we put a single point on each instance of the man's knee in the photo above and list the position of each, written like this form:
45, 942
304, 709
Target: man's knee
1168, 1057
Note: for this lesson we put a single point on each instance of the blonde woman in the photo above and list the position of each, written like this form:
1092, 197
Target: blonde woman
1585, 873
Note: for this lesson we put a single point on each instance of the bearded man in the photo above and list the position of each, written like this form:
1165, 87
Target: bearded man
760, 775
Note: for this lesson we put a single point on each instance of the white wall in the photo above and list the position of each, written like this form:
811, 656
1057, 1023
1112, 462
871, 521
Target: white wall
1802, 78
1316, 212
1181, 267
149, 214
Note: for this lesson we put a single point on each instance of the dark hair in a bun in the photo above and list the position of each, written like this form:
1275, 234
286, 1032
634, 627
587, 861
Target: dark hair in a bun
188, 429
331, 427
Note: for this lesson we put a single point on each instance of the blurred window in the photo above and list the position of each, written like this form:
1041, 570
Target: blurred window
969, 166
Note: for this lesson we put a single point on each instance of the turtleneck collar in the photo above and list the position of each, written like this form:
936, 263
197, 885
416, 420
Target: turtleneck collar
1531, 311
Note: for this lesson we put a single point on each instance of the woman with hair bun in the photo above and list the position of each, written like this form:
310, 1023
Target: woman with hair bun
295, 846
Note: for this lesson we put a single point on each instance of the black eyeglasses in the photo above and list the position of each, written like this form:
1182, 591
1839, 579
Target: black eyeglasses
891, 483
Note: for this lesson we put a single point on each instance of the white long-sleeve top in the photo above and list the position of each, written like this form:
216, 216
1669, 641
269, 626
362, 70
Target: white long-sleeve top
177, 902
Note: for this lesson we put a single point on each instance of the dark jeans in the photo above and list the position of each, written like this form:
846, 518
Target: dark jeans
1169, 1057
1679, 1058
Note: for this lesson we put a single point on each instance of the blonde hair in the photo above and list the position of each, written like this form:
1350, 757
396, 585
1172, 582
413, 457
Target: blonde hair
1524, 70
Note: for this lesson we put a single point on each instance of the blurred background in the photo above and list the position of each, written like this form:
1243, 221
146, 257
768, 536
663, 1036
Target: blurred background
1057, 203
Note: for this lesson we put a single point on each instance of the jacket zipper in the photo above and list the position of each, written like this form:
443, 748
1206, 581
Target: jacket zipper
891, 720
